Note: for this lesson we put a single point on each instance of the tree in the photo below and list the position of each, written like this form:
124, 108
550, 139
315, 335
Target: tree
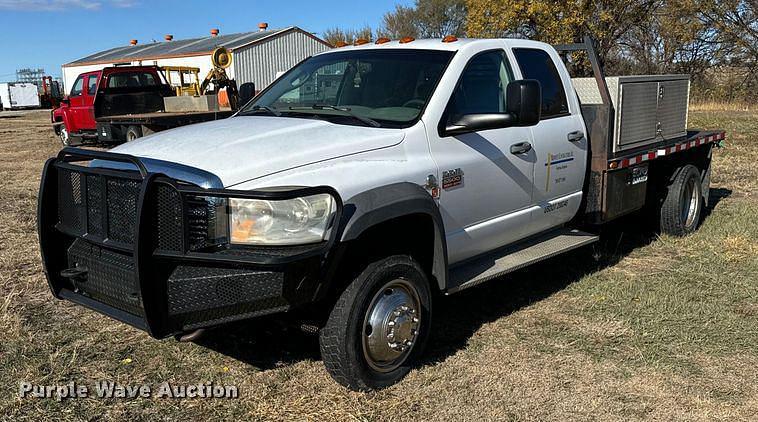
427, 19
439, 18
402, 22
558, 22
336, 35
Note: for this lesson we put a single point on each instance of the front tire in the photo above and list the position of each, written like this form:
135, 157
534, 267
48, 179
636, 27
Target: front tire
683, 203
64, 136
379, 325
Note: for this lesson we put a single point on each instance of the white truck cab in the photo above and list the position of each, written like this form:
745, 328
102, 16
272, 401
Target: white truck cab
361, 181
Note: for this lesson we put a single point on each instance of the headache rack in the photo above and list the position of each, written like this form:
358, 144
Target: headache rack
127, 243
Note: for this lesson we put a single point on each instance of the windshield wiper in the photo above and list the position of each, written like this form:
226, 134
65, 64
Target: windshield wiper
346, 110
270, 110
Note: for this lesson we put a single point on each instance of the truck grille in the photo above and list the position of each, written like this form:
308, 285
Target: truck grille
104, 207
99, 211
85, 199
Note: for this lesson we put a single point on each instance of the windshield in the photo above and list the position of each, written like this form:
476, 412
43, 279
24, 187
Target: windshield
387, 88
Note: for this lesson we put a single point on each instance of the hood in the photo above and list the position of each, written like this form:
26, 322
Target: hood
243, 148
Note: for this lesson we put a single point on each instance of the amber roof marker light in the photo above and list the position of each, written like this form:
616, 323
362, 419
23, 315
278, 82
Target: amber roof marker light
383, 40
406, 40
340, 44
361, 41
450, 38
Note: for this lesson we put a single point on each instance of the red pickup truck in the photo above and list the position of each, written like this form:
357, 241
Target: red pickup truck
118, 104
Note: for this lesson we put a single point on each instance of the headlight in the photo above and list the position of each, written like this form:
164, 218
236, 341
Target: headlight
289, 222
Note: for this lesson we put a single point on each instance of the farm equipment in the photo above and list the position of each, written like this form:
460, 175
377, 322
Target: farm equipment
50, 94
221, 59
185, 80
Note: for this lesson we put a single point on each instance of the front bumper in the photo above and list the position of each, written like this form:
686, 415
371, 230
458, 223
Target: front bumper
134, 245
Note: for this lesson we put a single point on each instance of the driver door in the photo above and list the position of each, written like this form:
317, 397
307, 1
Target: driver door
486, 186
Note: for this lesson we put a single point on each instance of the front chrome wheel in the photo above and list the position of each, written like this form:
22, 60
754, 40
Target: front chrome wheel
378, 326
391, 325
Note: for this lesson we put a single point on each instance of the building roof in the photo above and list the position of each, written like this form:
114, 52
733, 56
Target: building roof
183, 48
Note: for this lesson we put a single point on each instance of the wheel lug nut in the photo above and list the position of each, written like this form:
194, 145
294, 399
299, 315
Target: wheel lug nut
391, 323
415, 319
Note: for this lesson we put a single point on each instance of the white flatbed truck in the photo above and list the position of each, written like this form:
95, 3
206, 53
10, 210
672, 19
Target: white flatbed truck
362, 181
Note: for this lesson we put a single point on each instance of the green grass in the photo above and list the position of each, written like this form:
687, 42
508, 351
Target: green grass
636, 327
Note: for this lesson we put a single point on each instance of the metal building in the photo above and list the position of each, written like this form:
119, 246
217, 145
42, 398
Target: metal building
256, 56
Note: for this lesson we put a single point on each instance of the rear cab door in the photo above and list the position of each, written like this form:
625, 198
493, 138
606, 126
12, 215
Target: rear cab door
559, 139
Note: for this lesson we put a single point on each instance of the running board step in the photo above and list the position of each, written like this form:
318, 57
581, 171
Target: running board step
515, 257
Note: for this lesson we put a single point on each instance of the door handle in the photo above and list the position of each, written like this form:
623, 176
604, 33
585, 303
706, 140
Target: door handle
521, 148
576, 135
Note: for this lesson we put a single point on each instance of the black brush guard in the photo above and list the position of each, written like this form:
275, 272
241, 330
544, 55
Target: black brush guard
131, 245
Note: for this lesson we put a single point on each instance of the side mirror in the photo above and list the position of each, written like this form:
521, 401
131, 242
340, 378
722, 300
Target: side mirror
246, 93
523, 107
524, 99
482, 121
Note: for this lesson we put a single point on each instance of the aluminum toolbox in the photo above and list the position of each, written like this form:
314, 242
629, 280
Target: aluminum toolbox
648, 109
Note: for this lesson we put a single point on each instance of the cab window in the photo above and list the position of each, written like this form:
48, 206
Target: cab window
91, 84
537, 64
77, 88
482, 86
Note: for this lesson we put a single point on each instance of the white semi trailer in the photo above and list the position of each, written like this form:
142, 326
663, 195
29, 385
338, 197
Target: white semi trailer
18, 95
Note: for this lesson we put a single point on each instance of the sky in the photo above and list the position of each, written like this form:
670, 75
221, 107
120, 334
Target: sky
49, 33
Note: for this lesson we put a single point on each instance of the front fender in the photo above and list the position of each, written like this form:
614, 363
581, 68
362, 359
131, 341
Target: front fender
378, 205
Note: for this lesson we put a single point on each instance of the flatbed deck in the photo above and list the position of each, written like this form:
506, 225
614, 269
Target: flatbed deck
693, 139
161, 116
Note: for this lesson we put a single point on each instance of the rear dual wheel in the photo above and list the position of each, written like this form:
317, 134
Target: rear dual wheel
379, 325
683, 202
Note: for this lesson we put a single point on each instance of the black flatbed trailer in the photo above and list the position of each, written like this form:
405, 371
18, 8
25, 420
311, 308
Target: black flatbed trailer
117, 128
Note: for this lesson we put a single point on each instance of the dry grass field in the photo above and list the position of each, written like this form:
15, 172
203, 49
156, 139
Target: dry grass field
636, 327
